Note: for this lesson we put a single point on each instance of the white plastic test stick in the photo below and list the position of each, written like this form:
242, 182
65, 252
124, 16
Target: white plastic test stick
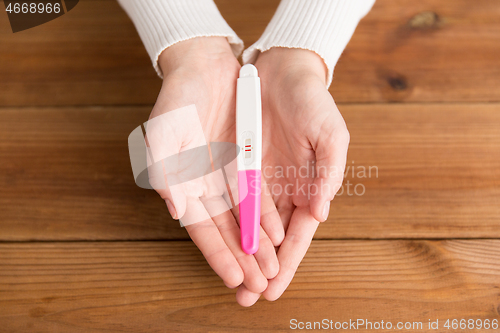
249, 142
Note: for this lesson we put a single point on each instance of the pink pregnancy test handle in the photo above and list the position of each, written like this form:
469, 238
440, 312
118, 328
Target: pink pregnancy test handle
249, 209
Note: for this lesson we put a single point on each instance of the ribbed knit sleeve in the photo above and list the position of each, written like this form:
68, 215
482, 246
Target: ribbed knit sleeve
322, 26
162, 23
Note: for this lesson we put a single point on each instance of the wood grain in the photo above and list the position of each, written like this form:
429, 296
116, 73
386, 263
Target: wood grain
423, 51
92, 55
438, 173
167, 286
65, 175
419, 51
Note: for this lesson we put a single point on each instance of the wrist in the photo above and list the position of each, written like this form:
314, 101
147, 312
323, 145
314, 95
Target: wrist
282, 62
197, 52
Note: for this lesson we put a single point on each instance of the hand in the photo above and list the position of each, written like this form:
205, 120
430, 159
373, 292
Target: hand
203, 71
302, 128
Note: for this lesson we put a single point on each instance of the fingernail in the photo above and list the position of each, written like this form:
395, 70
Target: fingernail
326, 210
171, 209
228, 285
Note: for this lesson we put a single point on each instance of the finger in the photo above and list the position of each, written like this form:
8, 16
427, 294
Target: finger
207, 237
331, 154
266, 256
297, 240
270, 218
245, 297
229, 286
254, 278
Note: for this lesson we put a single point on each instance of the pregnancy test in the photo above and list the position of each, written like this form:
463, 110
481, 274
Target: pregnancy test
249, 141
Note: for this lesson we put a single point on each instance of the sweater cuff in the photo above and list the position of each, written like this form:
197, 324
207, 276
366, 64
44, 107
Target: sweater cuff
322, 26
161, 24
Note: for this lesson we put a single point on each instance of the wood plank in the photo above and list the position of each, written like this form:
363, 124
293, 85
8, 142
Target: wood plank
65, 175
418, 51
438, 173
93, 56
167, 286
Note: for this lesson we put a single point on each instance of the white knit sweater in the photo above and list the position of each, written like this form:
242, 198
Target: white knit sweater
322, 26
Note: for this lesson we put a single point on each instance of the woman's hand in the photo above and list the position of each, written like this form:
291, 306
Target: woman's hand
203, 71
302, 130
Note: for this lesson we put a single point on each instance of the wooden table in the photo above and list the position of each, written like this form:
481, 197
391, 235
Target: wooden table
82, 249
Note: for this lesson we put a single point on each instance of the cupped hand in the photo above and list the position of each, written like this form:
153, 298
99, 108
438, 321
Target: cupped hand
203, 72
305, 143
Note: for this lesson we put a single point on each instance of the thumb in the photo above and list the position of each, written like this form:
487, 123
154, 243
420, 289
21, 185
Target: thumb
159, 180
331, 156
167, 135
